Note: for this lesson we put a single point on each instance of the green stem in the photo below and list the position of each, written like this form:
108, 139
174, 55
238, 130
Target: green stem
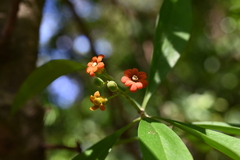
133, 103
103, 75
113, 96
107, 76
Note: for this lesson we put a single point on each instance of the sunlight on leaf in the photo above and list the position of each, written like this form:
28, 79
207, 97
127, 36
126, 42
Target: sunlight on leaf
172, 34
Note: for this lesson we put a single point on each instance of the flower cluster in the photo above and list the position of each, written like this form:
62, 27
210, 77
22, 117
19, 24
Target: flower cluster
132, 78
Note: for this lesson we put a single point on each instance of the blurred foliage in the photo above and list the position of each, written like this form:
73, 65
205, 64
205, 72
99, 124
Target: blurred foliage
203, 86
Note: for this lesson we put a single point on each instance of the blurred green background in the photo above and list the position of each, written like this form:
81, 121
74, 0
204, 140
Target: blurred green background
203, 86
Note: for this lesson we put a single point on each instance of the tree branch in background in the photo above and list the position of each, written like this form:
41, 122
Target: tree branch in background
83, 27
10, 24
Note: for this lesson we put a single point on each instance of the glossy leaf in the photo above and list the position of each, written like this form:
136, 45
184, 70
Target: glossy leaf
100, 150
42, 77
226, 144
158, 142
220, 126
172, 34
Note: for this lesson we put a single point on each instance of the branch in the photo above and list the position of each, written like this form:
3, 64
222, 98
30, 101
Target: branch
82, 25
11, 22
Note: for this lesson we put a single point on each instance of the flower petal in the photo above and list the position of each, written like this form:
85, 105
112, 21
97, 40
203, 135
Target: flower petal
129, 83
92, 74
97, 94
90, 64
124, 79
91, 98
144, 82
100, 65
100, 57
102, 107
139, 85
94, 68
128, 72
133, 88
135, 71
93, 108
94, 59
89, 69
142, 75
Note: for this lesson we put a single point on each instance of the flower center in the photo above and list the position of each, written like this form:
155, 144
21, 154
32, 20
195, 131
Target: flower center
134, 77
94, 64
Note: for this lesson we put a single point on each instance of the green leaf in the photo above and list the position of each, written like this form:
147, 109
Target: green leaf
172, 34
226, 144
100, 150
159, 142
41, 78
220, 126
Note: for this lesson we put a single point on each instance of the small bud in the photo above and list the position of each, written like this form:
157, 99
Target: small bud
98, 82
112, 86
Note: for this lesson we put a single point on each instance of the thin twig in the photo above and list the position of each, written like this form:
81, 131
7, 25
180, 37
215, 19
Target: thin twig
11, 23
83, 27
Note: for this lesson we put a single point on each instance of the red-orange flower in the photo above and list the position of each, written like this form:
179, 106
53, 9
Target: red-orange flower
96, 65
98, 101
134, 79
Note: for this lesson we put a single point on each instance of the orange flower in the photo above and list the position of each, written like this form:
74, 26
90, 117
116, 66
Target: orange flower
134, 79
96, 65
98, 101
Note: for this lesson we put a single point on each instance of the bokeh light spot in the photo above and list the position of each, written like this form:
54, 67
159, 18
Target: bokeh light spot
64, 91
104, 47
64, 43
229, 81
86, 9
82, 7
228, 25
221, 105
81, 45
212, 64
